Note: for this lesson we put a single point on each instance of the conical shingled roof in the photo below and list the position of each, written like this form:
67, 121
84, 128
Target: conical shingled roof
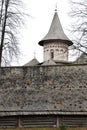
55, 32
33, 62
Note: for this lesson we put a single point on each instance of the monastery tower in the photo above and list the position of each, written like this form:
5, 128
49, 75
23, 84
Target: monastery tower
55, 43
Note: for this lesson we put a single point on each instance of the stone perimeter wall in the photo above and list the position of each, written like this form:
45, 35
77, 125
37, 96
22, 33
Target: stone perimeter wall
46, 88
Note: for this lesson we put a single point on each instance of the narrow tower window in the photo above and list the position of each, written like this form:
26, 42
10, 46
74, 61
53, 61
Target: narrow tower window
51, 53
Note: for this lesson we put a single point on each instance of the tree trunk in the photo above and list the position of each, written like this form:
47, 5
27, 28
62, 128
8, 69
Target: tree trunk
3, 30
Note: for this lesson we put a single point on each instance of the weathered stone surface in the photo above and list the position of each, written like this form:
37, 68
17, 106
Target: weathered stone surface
43, 88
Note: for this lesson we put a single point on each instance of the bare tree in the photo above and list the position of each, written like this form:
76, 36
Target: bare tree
79, 13
11, 18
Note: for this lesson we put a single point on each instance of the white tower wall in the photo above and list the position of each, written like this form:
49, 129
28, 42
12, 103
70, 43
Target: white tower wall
57, 51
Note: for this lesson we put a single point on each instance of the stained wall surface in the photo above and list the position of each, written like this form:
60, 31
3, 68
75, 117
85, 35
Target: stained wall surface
40, 89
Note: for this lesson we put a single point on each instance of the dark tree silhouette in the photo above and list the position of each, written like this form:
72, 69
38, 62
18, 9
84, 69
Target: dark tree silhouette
79, 13
11, 18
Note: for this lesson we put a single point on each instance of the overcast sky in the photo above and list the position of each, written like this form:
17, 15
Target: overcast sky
37, 26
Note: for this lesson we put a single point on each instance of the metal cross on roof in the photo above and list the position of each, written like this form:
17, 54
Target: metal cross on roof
56, 7
34, 54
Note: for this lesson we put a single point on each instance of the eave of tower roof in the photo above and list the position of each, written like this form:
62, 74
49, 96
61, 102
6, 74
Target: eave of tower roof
55, 32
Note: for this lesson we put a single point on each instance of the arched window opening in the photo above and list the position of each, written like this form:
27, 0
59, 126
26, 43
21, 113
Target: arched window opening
52, 54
